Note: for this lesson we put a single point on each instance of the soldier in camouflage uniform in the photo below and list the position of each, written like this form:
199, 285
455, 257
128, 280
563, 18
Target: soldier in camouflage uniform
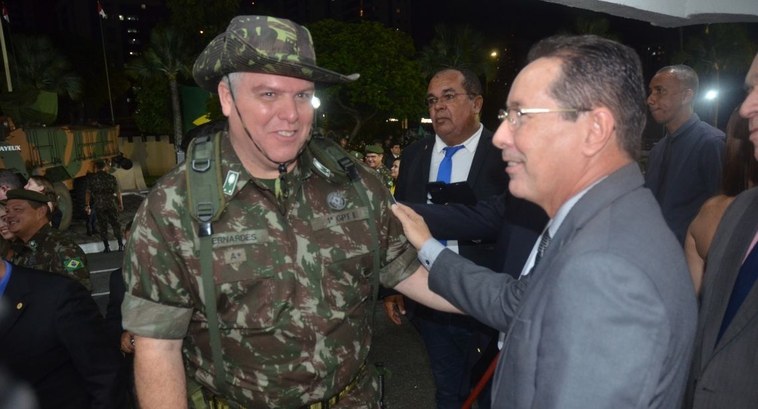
37, 244
293, 259
375, 160
104, 197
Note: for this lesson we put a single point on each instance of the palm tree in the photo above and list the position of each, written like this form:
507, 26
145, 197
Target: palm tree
459, 46
39, 71
40, 66
168, 55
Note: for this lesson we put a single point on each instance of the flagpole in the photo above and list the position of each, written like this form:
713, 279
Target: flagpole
107, 76
5, 57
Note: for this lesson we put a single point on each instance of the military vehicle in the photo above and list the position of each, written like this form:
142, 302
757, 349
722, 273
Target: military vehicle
60, 153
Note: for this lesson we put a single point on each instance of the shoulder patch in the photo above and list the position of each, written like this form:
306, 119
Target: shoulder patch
73, 264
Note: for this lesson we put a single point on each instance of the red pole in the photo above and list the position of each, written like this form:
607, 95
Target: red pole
481, 384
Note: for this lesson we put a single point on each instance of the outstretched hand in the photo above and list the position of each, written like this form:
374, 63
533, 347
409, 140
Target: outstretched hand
414, 226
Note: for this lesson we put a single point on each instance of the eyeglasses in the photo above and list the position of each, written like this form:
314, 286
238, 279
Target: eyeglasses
513, 115
445, 98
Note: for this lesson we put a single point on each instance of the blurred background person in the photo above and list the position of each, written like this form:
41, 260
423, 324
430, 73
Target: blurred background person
740, 173
103, 196
684, 167
6, 250
43, 185
394, 171
8, 181
116, 333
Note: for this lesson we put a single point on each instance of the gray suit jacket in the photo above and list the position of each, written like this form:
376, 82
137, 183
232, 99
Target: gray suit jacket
608, 318
725, 374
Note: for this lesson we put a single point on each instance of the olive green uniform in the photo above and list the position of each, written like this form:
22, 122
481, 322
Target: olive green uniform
53, 250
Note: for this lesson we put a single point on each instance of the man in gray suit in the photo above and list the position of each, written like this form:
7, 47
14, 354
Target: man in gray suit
608, 317
725, 364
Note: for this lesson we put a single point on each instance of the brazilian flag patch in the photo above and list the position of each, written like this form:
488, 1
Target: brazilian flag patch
73, 264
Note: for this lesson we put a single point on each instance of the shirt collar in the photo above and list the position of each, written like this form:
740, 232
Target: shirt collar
469, 144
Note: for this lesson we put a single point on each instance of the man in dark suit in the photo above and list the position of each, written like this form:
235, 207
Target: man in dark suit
725, 363
53, 337
454, 99
608, 317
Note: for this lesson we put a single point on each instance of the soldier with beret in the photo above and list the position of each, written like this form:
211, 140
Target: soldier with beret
374, 158
38, 245
303, 240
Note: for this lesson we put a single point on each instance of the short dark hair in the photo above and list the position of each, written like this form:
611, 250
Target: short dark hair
10, 179
471, 82
598, 72
740, 165
684, 74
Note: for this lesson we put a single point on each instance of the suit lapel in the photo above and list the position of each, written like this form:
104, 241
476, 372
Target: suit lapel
597, 198
480, 158
726, 273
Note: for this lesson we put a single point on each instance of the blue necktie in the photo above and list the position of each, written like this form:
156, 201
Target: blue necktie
446, 166
745, 279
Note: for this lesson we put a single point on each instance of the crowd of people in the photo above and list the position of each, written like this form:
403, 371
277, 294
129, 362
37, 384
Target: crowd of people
541, 249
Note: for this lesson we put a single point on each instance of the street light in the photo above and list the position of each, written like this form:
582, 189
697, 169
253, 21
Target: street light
712, 96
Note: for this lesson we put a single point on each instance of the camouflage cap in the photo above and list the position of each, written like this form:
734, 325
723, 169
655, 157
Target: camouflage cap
377, 149
29, 195
262, 44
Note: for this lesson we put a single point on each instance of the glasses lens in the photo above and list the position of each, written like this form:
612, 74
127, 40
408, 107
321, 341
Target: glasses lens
502, 115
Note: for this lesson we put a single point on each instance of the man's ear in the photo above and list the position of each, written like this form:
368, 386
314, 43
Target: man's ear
688, 96
601, 128
225, 96
478, 101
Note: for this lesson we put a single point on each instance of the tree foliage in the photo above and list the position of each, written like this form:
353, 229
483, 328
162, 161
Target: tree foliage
460, 47
391, 82
169, 57
40, 66
153, 113
718, 50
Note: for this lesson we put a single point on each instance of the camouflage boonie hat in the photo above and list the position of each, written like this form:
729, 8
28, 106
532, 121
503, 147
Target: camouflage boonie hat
262, 44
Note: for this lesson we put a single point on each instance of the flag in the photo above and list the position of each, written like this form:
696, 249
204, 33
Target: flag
100, 10
5, 13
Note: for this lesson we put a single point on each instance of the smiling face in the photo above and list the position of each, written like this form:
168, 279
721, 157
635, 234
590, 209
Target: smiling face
749, 108
373, 160
543, 153
24, 220
457, 119
277, 111
4, 232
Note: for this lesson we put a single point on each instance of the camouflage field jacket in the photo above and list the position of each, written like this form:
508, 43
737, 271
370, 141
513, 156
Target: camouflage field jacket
294, 280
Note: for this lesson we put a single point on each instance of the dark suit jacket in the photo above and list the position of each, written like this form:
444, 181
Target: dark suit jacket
486, 177
513, 224
608, 317
53, 337
725, 374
